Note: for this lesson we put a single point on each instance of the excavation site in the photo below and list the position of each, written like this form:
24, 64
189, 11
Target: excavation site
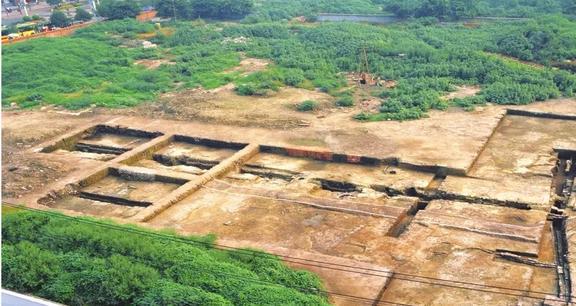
288, 153
485, 218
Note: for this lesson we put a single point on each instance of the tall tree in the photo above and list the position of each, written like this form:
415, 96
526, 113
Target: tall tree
59, 19
82, 15
118, 9
212, 9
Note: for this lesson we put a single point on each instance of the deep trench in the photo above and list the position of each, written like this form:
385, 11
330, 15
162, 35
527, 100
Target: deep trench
76, 143
562, 183
338, 186
403, 222
130, 176
99, 149
118, 130
268, 173
183, 160
112, 199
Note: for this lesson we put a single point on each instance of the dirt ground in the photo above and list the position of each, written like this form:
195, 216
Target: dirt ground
302, 212
22, 173
462, 92
153, 63
249, 65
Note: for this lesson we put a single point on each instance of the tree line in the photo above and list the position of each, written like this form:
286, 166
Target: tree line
207, 9
458, 9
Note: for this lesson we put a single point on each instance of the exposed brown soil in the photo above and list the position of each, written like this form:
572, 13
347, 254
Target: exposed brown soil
224, 106
21, 173
360, 214
249, 65
153, 63
462, 92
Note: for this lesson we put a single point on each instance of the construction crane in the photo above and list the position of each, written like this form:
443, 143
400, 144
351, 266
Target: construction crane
364, 77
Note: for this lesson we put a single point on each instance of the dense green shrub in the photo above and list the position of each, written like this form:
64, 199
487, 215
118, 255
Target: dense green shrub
469, 103
345, 101
77, 263
307, 106
170, 293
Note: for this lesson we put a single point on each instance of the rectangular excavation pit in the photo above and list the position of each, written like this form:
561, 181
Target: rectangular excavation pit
190, 154
279, 218
339, 176
317, 190
102, 142
511, 229
118, 192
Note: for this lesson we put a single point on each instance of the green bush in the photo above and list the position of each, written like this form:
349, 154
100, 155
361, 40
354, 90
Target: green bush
245, 90
469, 103
170, 293
346, 101
307, 106
77, 263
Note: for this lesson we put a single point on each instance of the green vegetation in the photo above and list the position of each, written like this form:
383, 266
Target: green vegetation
457, 9
118, 9
525, 8
448, 9
345, 101
82, 15
209, 9
307, 106
59, 19
274, 10
426, 61
76, 73
73, 263
54, 2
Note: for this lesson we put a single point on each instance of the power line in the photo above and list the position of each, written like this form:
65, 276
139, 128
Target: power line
253, 280
302, 261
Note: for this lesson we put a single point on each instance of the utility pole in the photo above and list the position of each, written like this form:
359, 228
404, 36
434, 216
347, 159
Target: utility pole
94, 7
22, 5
